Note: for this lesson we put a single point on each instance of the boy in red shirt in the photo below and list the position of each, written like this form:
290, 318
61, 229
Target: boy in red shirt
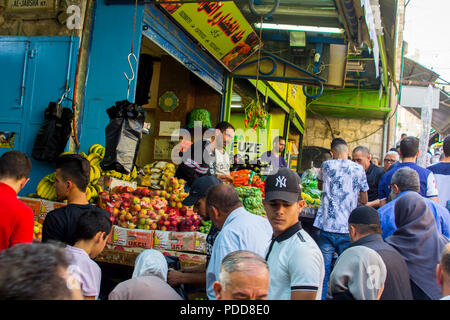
16, 218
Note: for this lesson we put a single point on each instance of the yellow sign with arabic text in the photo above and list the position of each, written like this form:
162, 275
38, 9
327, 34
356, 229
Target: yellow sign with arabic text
297, 100
293, 95
220, 27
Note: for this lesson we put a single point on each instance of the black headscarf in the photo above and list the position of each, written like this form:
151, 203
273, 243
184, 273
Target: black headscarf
418, 241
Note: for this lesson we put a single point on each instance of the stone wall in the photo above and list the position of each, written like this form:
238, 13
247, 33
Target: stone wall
318, 133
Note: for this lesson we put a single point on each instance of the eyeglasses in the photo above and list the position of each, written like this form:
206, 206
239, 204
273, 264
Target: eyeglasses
389, 160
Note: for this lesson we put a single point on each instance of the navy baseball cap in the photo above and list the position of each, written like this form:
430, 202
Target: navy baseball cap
283, 185
200, 188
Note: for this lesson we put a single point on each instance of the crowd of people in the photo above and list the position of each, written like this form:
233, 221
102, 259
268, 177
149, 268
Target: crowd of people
381, 232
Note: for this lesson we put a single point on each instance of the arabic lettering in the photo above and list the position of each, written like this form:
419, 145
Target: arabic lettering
225, 22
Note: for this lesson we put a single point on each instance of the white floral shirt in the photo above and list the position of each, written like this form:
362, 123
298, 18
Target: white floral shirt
342, 180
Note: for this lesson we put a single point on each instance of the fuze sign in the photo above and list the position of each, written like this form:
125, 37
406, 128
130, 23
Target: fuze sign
249, 145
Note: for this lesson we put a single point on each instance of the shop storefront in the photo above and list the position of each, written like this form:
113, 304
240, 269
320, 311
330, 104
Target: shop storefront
150, 59
283, 115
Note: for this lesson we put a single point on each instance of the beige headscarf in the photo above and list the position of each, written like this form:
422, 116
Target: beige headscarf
360, 271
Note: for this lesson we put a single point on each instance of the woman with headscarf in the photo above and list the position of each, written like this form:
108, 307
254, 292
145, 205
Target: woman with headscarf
359, 274
420, 244
149, 280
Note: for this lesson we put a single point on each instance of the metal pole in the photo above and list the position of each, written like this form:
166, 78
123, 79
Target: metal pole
426, 114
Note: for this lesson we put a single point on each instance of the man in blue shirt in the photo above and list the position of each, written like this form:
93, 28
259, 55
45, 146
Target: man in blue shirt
403, 181
441, 172
409, 150
239, 230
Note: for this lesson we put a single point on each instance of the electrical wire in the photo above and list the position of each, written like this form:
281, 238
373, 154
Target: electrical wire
331, 129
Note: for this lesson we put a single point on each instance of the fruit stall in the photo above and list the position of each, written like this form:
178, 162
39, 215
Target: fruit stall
146, 207
148, 216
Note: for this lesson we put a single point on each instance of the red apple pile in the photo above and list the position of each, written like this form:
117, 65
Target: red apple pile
150, 209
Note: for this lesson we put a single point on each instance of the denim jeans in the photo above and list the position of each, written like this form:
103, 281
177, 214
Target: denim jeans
329, 243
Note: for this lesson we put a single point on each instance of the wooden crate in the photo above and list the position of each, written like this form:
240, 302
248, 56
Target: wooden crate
117, 257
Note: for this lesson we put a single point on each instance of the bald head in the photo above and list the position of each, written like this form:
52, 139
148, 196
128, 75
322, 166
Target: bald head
224, 197
221, 200
243, 275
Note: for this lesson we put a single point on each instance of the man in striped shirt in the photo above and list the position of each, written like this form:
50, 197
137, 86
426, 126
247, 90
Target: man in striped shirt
207, 157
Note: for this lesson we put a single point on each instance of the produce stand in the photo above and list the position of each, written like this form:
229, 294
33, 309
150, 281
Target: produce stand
150, 215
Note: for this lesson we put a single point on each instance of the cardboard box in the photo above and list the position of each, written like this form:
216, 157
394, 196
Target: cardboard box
41, 207
186, 256
200, 242
109, 183
131, 237
161, 240
34, 204
182, 241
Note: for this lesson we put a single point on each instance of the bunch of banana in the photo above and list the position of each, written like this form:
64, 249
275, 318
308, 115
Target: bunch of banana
157, 173
92, 192
95, 174
127, 177
95, 156
46, 189
97, 149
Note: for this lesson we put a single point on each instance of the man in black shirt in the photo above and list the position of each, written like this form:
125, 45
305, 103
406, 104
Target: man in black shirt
374, 173
72, 178
365, 230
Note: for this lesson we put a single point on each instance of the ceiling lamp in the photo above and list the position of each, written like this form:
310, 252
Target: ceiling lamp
291, 27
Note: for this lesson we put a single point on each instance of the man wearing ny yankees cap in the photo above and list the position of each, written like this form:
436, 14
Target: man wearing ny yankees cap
295, 261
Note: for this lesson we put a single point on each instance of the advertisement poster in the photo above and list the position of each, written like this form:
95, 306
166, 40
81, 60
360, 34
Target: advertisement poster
220, 27
7, 139
167, 128
163, 148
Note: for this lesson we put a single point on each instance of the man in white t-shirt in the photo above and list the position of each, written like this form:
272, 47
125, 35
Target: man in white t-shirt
92, 231
224, 136
295, 261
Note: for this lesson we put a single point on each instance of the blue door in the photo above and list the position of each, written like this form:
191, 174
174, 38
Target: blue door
33, 72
